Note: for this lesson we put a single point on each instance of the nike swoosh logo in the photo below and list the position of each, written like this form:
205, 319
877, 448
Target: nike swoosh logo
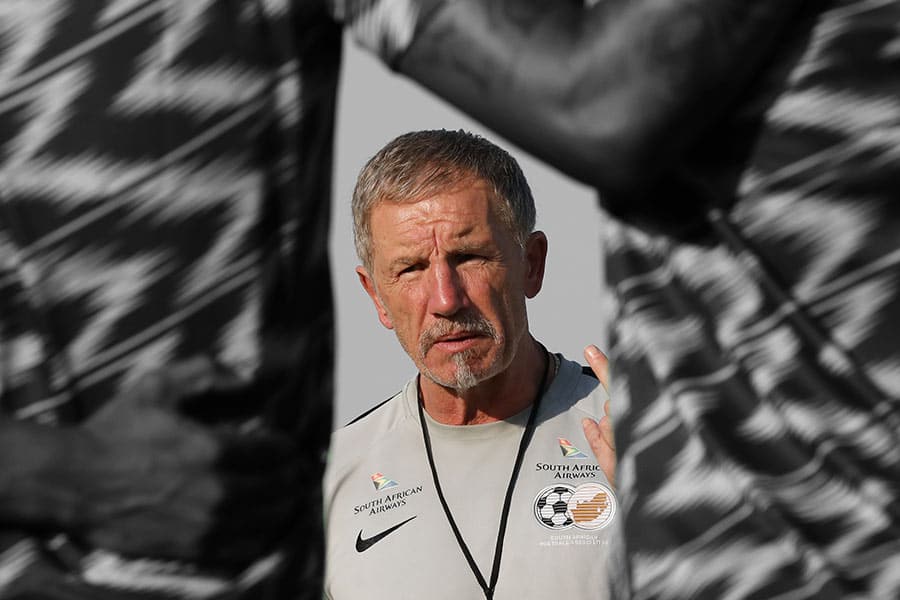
363, 544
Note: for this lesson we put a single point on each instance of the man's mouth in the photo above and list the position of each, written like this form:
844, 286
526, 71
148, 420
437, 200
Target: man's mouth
452, 337
456, 342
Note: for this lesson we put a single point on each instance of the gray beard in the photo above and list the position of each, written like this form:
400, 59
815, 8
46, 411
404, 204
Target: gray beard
464, 379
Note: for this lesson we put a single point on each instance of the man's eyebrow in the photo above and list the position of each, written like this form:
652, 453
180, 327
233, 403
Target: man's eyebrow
484, 245
405, 260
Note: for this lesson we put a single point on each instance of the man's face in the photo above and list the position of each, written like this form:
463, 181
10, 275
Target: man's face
451, 280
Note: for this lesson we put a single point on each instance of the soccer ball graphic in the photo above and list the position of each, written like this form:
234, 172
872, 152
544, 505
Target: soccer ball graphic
551, 506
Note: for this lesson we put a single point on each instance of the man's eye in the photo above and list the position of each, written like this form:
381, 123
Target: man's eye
410, 269
464, 258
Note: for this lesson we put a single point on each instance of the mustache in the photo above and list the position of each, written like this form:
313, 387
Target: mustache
462, 324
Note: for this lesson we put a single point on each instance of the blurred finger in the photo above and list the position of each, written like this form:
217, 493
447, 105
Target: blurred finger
598, 363
606, 431
599, 437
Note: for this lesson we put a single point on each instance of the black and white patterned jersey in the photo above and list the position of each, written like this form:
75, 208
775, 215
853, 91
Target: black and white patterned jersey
756, 369
165, 173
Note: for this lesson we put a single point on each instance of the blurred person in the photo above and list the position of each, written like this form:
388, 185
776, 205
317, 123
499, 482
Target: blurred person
745, 155
165, 305
475, 478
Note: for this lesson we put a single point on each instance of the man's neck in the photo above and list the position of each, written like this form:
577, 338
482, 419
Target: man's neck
495, 399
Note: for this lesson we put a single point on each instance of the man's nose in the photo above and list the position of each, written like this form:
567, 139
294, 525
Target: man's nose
447, 294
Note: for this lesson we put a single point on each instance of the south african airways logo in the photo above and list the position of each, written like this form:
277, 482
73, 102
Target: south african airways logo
569, 450
381, 482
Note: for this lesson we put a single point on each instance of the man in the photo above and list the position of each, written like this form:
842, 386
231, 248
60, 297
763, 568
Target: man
476, 477
165, 311
745, 155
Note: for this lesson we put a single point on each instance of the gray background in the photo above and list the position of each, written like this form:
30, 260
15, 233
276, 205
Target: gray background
376, 106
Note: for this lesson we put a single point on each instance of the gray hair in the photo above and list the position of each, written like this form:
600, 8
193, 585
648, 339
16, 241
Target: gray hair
419, 164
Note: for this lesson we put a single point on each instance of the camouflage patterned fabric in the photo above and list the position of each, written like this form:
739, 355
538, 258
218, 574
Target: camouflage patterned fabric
165, 173
756, 368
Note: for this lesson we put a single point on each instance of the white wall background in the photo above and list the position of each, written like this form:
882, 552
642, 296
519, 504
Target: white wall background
375, 106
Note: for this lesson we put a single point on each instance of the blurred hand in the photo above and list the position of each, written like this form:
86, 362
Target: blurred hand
156, 483
599, 434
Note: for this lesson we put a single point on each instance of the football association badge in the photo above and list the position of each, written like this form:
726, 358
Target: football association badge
551, 506
592, 506
589, 506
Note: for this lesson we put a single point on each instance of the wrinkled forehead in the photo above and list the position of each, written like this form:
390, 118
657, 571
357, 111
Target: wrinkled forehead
469, 203
429, 182
464, 215
450, 189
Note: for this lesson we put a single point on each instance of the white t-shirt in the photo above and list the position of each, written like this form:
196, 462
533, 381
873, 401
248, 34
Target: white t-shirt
388, 537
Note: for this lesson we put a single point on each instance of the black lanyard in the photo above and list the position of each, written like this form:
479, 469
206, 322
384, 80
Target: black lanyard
488, 589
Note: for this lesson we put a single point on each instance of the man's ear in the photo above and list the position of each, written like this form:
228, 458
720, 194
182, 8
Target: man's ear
535, 261
369, 285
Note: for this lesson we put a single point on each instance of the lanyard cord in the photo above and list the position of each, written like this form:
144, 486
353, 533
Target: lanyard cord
520, 456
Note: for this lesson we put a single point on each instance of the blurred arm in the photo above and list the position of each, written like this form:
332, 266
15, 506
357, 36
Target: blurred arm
140, 478
38, 486
608, 94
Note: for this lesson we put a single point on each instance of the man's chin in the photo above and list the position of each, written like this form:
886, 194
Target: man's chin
457, 385
460, 375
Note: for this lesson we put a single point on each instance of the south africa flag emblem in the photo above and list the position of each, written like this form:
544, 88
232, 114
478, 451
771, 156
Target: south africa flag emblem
381, 482
569, 450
